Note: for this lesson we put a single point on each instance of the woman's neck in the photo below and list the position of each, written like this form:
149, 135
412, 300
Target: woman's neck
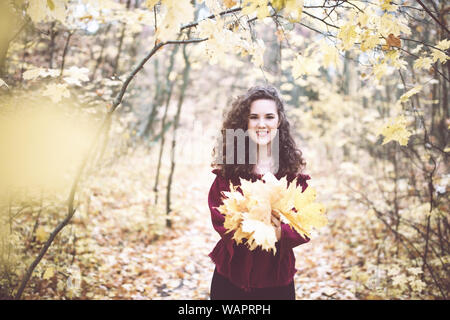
264, 154
264, 160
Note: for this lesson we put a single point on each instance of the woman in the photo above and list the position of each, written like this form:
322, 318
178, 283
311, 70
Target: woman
239, 272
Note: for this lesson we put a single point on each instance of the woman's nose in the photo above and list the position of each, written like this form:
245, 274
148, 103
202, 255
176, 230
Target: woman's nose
261, 123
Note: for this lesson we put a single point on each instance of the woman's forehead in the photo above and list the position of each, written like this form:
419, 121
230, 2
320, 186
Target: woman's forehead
263, 106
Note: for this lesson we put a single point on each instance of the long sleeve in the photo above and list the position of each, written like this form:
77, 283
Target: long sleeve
289, 237
214, 201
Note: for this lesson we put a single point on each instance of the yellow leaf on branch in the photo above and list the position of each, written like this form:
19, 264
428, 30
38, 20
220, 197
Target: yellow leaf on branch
347, 34
410, 93
439, 55
423, 63
395, 130
256, 6
443, 44
386, 5
229, 3
369, 41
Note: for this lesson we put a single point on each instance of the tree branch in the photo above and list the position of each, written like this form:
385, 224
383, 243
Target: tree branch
194, 24
432, 16
119, 97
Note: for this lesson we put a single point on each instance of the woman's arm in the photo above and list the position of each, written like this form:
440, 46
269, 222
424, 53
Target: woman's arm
215, 201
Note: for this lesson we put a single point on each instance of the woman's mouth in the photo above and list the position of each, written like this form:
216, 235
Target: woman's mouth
262, 133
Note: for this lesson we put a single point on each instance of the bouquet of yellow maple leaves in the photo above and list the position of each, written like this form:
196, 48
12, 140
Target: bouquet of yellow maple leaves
249, 213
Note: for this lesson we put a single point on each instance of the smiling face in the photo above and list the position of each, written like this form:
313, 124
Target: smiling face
263, 121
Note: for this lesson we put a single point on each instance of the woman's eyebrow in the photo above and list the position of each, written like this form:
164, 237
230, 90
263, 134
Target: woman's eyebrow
255, 114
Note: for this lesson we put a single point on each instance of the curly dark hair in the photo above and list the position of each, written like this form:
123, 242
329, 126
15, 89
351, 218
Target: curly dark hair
291, 161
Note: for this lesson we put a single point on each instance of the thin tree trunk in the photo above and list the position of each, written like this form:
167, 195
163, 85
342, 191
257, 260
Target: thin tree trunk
186, 72
66, 49
119, 49
100, 58
169, 86
53, 34
156, 102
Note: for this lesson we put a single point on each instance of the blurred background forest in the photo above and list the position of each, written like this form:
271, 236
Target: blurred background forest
109, 110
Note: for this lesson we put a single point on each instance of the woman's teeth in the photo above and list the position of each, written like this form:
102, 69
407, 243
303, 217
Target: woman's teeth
262, 133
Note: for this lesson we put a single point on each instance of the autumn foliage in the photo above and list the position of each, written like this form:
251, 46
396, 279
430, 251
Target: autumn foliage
248, 214
108, 114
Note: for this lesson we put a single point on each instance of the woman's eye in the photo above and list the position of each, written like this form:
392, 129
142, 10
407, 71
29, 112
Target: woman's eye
268, 117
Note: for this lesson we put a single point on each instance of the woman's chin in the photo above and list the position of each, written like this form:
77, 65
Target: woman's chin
261, 141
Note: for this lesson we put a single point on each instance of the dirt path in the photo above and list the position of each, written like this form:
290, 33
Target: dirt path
177, 266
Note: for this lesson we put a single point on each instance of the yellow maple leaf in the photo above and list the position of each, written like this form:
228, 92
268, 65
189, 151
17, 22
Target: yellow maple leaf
363, 18
303, 65
32, 74
37, 10
260, 234
41, 234
304, 198
258, 6
229, 3
58, 10
392, 24
369, 41
294, 8
386, 5
311, 216
56, 92
330, 55
379, 70
347, 34
410, 93
49, 273
439, 55
208, 27
395, 130
423, 63
257, 53
176, 12
393, 57
284, 200
249, 214
278, 4
75, 75
443, 44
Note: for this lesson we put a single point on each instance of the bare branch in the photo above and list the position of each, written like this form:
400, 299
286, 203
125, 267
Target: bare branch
194, 24
119, 97
432, 16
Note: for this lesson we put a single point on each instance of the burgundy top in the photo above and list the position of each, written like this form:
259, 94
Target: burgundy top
258, 268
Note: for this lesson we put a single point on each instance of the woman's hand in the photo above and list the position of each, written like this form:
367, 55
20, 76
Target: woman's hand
276, 222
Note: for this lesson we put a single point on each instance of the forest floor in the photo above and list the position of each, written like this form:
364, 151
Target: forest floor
176, 265
117, 257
